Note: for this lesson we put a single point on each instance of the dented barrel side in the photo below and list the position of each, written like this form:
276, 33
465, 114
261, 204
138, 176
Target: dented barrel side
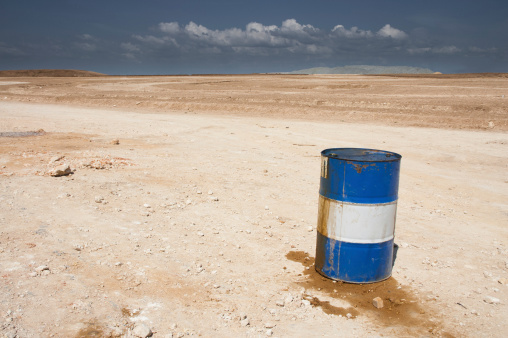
356, 217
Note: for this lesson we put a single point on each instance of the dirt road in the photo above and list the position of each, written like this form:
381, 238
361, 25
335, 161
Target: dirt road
192, 206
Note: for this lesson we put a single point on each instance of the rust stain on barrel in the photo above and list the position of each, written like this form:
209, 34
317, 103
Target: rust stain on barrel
322, 223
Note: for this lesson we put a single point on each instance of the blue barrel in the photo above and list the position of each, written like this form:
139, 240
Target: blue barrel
356, 218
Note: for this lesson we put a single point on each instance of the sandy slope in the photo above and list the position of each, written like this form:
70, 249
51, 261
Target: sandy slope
194, 220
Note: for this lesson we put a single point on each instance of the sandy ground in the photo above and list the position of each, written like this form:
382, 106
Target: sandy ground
202, 219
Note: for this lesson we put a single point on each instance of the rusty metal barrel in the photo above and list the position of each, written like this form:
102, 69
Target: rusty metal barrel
356, 218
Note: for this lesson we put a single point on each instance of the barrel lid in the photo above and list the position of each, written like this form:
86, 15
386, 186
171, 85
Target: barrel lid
361, 155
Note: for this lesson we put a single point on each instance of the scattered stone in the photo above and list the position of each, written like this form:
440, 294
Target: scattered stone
245, 322
280, 303
266, 207
503, 281
61, 170
214, 198
200, 234
56, 159
42, 268
491, 124
305, 302
269, 325
99, 199
310, 228
10, 333
116, 332
378, 303
269, 332
115, 141
210, 192
349, 316
141, 330
491, 300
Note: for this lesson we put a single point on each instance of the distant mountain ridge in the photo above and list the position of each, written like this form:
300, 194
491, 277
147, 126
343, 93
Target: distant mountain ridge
48, 73
364, 69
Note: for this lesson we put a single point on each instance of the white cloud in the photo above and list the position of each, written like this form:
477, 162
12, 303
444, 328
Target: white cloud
86, 37
291, 25
446, 50
150, 39
482, 50
86, 46
421, 50
435, 50
260, 28
12, 51
354, 32
169, 27
389, 31
129, 47
258, 39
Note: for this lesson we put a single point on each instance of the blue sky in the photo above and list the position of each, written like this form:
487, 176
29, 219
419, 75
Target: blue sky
235, 36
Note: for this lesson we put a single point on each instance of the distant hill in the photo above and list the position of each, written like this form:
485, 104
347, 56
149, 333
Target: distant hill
48, 73
364, 70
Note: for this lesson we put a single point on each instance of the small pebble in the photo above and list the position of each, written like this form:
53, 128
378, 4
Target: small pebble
491, 300
142, 331
61, 170
42, 268
378, 303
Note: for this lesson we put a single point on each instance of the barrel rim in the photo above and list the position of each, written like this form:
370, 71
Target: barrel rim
391, 156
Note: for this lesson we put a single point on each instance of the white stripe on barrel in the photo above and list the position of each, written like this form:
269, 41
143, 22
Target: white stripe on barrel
356, 223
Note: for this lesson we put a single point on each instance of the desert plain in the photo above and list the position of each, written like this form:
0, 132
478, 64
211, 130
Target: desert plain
192, 205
